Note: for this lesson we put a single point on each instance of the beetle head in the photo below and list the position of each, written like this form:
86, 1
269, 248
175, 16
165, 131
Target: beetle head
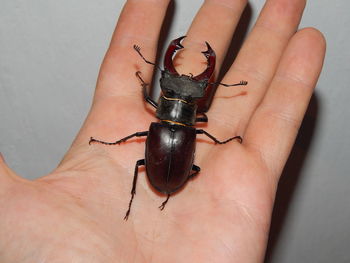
182, 87
185, 87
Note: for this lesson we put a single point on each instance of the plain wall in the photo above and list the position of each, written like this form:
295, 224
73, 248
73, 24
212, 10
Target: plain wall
50, 53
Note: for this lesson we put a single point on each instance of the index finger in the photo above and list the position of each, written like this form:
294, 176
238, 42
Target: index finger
117, 86
139, 23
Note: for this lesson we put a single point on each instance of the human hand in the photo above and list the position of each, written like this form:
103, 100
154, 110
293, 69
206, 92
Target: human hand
75, 214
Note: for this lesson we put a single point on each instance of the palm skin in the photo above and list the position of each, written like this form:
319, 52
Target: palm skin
80, 208
75, 214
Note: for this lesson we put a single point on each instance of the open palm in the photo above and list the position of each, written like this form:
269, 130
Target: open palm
75, 214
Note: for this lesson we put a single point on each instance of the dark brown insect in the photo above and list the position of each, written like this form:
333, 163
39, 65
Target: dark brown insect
170, 143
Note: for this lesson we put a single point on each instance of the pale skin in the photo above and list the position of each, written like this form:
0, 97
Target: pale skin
75, 214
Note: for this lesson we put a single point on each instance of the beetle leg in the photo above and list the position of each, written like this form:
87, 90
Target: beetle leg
196, 169
138, 50
148, 98
144, 91
203, 118
161, 207
241, 83
133, 189
136, 134
200, 131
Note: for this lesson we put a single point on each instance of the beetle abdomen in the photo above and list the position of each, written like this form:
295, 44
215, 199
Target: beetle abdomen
169, 155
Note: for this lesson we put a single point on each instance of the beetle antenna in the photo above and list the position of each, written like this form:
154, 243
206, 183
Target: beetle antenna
138, 50
241, 83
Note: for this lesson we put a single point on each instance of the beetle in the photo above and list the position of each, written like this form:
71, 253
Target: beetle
170, 143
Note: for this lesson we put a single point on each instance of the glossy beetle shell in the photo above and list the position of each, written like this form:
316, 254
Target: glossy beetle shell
176, 111
169, 156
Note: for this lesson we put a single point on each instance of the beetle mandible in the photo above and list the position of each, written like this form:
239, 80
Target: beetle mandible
170, 143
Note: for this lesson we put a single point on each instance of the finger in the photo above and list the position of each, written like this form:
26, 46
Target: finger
256, 63
215, 23
139, 23
117, 86
274, 126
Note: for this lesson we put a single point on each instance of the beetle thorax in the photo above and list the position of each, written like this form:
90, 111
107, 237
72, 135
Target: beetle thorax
176, 111
182, 87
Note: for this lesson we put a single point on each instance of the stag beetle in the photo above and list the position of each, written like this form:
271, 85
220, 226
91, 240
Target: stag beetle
170, 143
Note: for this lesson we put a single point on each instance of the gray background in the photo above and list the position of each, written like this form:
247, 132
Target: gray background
50, 52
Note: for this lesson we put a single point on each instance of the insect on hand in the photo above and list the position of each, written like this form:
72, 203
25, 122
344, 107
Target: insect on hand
172, 140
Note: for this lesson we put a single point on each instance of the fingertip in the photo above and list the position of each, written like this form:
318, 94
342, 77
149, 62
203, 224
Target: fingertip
312, 35
304, 55
314, 38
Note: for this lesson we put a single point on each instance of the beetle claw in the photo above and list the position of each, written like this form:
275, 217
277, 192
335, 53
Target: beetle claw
209, 51
161, 207
174, 46
91, 140
211, 57
127, 215
137, 48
